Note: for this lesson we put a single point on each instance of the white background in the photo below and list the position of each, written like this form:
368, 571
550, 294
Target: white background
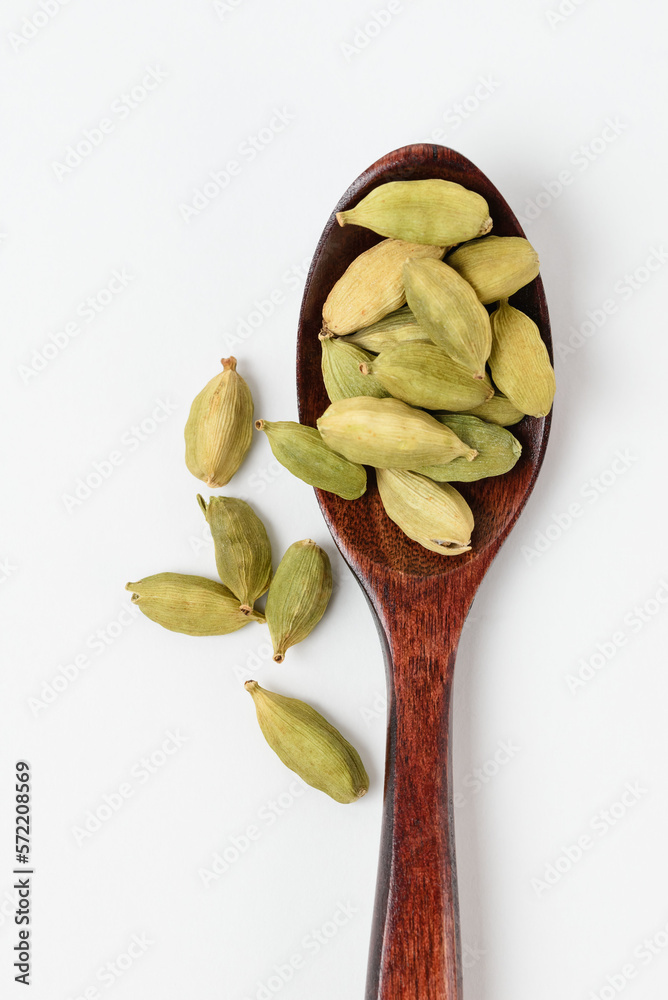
524, 93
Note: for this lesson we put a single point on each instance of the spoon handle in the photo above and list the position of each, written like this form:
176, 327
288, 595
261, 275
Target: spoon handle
415, 948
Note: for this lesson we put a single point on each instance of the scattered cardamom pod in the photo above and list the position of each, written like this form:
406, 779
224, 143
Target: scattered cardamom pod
190, 604
426, 211
303, 452
393, 329
498, 410
423, 375
388, 434
433, 514
242, 548
220, 427
372, 286
520, 362
298, 595
341, 370
309, 745
496, 266
450, 312
498, 451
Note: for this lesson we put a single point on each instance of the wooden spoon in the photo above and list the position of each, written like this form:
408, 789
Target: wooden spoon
420, 600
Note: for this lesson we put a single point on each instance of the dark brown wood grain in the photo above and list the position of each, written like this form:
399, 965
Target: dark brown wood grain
420, 600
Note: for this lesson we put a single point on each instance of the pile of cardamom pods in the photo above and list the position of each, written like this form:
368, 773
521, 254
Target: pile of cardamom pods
218, 435
406, 343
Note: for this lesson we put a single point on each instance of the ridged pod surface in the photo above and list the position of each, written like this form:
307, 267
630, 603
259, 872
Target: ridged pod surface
423, 211
421, 374
372, 286
498, 451
298, 595
341, 370
388, 434
433, 514
520, 363
193, 605
242, 547
396, 328
309, 745
495, 266
219, 429
498, 410
448, 309
303, 452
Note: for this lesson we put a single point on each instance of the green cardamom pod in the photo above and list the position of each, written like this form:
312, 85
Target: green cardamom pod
396, 328
242, 548
433, 514
519, 361
498, 451
220, 427
423, 375
450, 312
303, 452
309, 745
372, 286
388, 434
341, 370
190, 604
427, 211
298, 595
498, 410
496, 266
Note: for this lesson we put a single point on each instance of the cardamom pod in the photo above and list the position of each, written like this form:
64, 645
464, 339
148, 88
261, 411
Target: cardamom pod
220, 427
519, 361
372, 286
396, 328
242, 548
498, 410
388, 434
498, 451
496, 266
427, 211
303, 452
433, 514
309, 745
450, 312
298, 595
423, 375
341, 370
190, 604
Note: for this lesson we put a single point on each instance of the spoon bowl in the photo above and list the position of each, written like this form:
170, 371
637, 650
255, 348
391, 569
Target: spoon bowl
420, 600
